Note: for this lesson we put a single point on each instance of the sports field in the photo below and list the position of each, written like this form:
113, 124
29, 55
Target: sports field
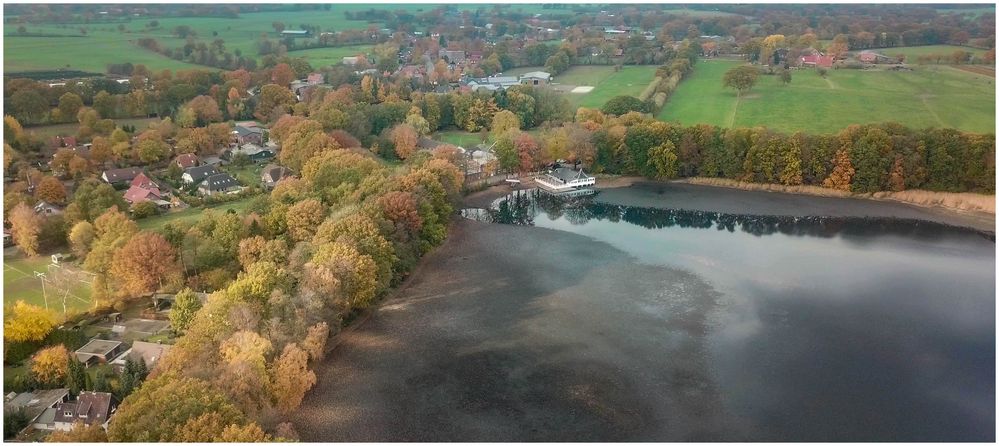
607, 83
21, 283
930, 96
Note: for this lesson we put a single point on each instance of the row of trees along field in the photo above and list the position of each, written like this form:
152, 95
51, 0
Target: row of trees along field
860, 158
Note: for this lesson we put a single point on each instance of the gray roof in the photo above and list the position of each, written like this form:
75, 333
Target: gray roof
89, 407
199, 173
272, 174
98, 347
251, 149
566, 174
34, 403
219, 181
244, 130
149, 352
119, 175
536, 75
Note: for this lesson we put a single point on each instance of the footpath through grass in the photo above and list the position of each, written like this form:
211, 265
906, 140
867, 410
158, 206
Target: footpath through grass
930, 96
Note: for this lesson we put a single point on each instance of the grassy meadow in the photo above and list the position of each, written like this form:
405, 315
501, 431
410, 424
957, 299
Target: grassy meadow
930, 96
321, 57
104, 44
911, 52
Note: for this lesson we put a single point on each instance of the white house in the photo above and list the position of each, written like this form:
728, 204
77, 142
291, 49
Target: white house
564, 179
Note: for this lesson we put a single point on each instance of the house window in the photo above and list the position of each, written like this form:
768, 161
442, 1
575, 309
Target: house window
535, 82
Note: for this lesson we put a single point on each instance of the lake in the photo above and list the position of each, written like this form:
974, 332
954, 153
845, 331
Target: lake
580, 320
827, 328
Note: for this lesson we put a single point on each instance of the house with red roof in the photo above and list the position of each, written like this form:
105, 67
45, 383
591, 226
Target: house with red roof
141, 180
816, 59
137, 194
186, 160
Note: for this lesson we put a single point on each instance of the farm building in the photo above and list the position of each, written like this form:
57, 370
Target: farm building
220, 183
815, 60
295, 33
248, 132
535, 78
351, 60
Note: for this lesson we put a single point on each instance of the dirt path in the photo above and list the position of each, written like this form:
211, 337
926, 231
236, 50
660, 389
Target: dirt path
832, 86
922, 98
735, 109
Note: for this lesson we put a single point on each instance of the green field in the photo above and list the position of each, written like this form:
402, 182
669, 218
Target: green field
92, 53
630, 80
321, 57
190, 214
104, 44
930, 96
70, 129
985, 9
468, 139
911, 52
20, 283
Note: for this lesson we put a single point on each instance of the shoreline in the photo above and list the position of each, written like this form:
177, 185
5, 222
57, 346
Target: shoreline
762, 200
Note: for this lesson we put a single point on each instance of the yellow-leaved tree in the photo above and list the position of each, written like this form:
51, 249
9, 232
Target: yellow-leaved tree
25, 322
50, 365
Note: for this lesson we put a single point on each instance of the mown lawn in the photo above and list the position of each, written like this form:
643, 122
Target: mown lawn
321, 57
20, 283
630, 81
190, 214
70, 129
930, 96
468, 139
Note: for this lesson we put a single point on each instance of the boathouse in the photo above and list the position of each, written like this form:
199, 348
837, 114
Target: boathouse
564, 179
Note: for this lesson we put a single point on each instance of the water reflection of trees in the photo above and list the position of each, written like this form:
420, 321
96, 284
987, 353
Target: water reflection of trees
521, 209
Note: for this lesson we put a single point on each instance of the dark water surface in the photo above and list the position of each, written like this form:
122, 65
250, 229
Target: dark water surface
825, 328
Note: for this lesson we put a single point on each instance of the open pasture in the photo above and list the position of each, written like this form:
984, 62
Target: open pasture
105, 44
929, 96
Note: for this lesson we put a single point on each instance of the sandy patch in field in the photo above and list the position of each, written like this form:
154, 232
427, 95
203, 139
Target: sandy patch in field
582, 89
